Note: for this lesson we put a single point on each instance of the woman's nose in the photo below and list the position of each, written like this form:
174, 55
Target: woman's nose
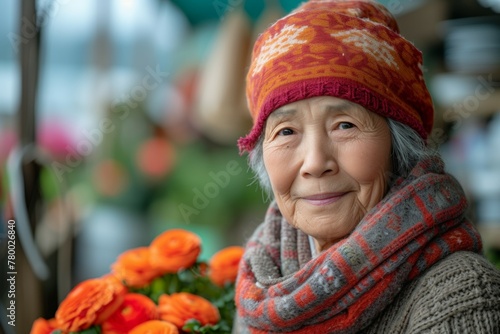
318, 157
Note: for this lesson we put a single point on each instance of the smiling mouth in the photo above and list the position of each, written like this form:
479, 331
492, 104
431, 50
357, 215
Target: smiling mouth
324, 199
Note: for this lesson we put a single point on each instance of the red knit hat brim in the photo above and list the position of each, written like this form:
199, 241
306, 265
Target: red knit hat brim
320, 50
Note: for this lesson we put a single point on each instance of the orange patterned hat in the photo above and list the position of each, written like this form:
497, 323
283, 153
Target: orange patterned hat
350, 49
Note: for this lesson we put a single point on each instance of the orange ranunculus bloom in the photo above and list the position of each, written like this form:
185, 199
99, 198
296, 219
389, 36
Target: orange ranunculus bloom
43, 326
134, 268
174, 249
178, 308
90, 303
134, 310
223, 266
155, 327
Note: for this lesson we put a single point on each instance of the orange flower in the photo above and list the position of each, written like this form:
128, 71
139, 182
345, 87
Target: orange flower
133, 267
134, 310
223, 266
181, 307
90, 303
155, 327
174, 250
43, 326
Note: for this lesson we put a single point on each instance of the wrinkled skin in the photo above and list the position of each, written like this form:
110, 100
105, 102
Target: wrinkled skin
328, 161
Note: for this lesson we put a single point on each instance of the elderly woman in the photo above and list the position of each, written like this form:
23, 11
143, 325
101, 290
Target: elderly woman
366, 231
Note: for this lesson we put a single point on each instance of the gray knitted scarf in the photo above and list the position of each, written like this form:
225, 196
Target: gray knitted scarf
281, 289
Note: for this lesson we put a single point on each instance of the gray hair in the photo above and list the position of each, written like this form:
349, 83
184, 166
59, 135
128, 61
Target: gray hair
407, 149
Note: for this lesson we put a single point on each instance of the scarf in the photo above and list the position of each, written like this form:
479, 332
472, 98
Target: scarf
280, 288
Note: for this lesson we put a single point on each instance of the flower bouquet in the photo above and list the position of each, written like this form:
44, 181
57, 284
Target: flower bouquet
159, 289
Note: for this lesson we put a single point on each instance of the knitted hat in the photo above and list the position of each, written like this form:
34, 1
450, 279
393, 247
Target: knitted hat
350, 49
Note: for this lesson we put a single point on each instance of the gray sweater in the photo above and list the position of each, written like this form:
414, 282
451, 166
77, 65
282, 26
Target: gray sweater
460, 294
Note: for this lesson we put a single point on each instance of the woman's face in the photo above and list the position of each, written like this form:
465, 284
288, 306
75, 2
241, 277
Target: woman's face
328, 161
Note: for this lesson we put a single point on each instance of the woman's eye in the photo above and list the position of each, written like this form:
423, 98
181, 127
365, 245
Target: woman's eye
285, 132
345, 125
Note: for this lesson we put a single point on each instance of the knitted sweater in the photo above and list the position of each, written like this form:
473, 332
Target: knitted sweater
460, 294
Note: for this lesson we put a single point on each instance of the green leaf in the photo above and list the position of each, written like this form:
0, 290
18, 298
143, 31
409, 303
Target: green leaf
194, 326
92, 330
191, 326
192, 280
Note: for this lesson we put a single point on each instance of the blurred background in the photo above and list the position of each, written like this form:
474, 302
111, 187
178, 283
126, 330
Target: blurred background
119, 120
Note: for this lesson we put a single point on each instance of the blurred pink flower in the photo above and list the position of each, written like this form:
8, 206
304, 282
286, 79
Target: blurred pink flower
55, 137
8, 140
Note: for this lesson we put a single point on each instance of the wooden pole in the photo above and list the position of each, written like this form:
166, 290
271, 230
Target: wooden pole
30, 292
